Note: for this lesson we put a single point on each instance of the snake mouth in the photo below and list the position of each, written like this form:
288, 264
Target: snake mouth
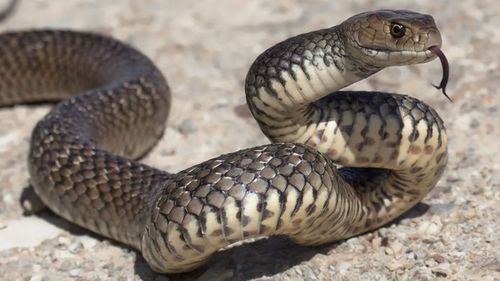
398, 57
436, 50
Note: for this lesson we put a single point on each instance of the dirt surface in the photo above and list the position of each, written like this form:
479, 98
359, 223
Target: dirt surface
205, 48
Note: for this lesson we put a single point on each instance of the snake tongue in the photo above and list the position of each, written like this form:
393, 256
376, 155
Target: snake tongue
446, 69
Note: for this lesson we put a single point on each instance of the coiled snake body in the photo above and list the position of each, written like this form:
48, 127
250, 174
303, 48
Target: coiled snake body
392, 147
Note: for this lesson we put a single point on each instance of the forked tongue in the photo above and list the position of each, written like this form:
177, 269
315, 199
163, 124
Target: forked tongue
446, 69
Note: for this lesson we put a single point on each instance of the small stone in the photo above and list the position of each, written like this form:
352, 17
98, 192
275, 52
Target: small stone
393, 266
8, 199
342, 267
377, 242
75, 247
36, 267
31, 202
62, 240
396, 248
187, 127
309, 274
438, 258
37, 277
88, 242
167, 152
412, 255
453, 177
8, 140
74, 272
492, 266
442, 270
474, 123
430, 227
430, 262
62, 254
470, 213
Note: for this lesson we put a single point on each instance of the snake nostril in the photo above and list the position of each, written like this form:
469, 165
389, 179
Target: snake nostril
416, 38
434, 38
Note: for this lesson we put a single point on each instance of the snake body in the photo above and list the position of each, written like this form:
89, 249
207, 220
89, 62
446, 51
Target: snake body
392, 147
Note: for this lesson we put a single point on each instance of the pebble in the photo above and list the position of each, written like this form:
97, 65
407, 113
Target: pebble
74, 272
63, 240
469, 213
31, 202
37, 277
342, 267
187, 127
8, 199
309, 274
394, 249
63, 254
75, 247
36, 267
377, 242
439, 258
453, 177
442, 270
395, 265
88, 242
430, 227
8, 140
496, 179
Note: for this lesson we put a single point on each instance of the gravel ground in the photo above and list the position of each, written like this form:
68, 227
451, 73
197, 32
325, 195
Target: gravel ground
205, 48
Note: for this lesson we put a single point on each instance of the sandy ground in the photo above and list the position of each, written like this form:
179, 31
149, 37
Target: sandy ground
205, 48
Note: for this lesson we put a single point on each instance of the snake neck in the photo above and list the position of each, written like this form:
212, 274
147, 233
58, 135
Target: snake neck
285, 82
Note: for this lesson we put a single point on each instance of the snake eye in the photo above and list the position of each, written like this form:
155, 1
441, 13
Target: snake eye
397, 30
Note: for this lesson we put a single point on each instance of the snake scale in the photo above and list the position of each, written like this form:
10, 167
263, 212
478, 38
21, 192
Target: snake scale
113, 108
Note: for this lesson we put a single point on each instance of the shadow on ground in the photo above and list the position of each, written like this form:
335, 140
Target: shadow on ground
265, 257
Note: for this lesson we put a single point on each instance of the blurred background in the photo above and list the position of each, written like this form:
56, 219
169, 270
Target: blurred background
205, 49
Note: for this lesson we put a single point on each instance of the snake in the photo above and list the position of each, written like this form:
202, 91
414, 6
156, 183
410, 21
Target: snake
340, 163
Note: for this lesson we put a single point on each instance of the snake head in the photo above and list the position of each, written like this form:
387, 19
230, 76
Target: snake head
391, 37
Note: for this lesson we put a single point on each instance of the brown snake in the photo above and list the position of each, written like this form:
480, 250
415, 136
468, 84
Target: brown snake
393, 148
